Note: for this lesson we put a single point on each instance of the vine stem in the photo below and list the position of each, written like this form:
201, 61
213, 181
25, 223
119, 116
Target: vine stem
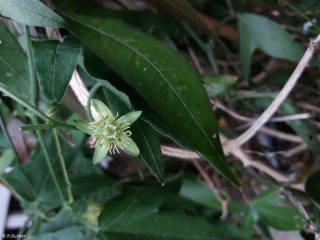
49, 164
33, 109
63, 166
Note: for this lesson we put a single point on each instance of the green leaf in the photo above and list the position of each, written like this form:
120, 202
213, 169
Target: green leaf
33, 182
217, 85
91, 66
313, 186
19, 180
259, 32
55, 63
248, 220
281, 218
30, 12
271, 210
147, 65
143, 135
6, 159
134, 205
74, 232
168, 226
199, 192
137, 216
83, 125
141, 19
14, 73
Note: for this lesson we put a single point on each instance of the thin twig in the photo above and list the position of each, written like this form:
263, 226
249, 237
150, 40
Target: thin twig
283, 94
310, 225
196, 61
237, 152
234, 114
223, 201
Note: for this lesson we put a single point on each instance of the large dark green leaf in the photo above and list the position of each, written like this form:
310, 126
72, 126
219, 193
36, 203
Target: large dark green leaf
260, 32
168, 226
30, 12
55, 63
137, 216
161, 76
145, 19
144, 136
14, 73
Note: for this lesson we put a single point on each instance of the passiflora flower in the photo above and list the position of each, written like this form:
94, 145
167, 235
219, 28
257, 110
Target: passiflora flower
109, 132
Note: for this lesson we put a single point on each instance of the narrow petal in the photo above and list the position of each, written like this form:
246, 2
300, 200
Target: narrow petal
129, 146
100, 152
101, 108
129, 118
83, 125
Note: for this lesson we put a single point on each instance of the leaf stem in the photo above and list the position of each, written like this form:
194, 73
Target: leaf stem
33, 79
91, 94
63, 166
205, 48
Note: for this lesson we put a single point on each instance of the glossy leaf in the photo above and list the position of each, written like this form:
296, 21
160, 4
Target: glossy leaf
30, 12
95, 68
55, 63
141, 18
255, 32
14, 73
143, 135
155, 70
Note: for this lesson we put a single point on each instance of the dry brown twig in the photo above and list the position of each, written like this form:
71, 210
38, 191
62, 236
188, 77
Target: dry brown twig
223, 201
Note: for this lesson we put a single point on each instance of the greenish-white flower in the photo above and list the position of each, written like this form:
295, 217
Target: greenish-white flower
109, 132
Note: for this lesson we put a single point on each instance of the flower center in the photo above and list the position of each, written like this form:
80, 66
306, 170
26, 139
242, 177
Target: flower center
108, 131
